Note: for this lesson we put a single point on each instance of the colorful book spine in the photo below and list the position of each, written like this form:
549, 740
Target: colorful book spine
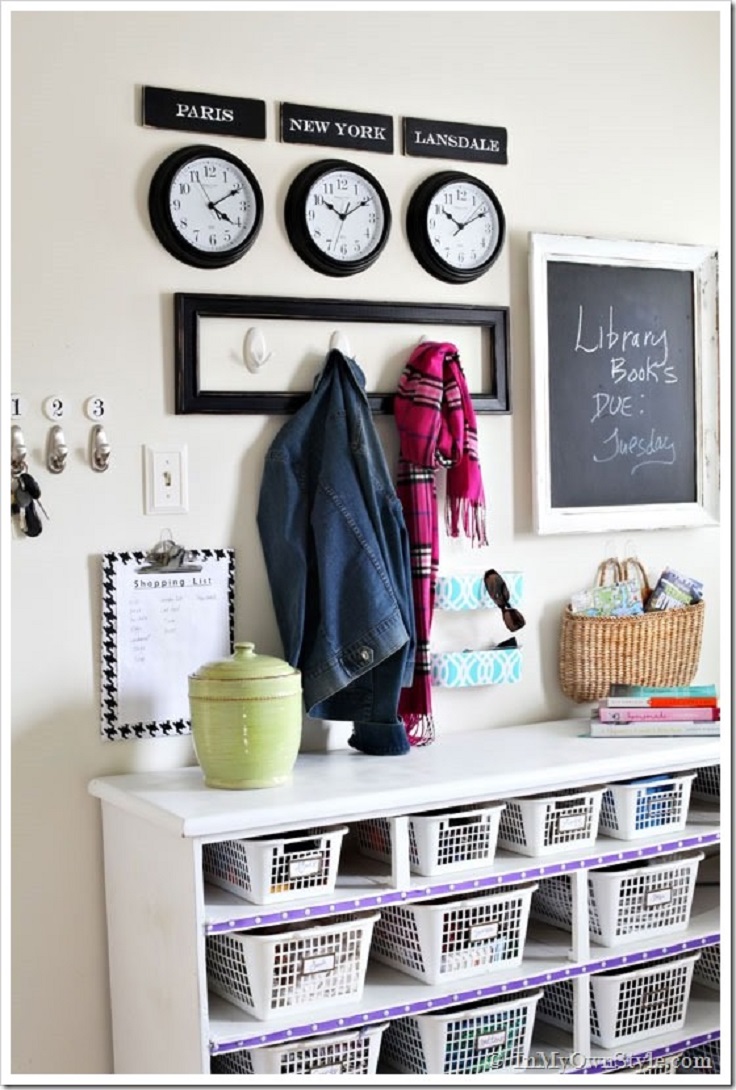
662, 690
659, 702
657, 715
649, 729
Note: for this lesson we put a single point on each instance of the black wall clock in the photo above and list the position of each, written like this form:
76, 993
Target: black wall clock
206, 206
337, 217
455, 226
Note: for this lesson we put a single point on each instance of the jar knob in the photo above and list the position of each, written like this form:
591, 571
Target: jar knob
245, 650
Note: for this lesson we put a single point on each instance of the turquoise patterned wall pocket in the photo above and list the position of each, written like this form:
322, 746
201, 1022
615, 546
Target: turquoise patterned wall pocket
467, 591
489, 666
460, 669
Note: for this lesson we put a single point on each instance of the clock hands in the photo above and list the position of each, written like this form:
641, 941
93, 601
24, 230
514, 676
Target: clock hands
452, 218
471, 219
348, 210
212, 205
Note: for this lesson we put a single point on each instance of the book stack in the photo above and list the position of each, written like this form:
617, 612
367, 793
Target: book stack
641, 711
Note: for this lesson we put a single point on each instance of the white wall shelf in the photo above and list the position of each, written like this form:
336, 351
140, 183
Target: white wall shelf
160, 910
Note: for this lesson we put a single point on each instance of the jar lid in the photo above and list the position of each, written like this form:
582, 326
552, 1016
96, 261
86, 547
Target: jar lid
244, 665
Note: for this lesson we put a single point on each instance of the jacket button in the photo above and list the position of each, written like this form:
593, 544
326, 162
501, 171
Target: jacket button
366, 654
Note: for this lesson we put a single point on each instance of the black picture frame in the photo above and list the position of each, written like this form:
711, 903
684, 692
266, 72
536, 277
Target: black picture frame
190, 308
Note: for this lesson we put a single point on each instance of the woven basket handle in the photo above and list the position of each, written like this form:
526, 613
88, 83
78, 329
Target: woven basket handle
609, 571
634, 569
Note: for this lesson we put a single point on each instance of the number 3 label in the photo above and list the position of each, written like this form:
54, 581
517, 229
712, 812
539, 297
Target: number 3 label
95, 408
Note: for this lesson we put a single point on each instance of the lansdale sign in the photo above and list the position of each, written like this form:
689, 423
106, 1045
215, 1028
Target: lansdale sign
454, 140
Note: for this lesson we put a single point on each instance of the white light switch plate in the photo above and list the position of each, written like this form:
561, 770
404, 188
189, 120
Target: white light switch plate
166, 480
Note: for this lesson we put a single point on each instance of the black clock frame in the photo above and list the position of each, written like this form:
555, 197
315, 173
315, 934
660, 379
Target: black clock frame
418, 233
295, 219
160, 214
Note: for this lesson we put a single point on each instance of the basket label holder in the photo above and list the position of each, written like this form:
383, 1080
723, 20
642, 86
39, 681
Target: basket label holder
485, 1041
658, 897
307, 867
481, 932
320, 963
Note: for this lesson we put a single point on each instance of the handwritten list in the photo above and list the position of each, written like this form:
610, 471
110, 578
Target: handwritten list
158, 628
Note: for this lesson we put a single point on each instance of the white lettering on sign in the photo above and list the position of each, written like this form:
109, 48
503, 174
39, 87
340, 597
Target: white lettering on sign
449, 140
354, 131
204, 113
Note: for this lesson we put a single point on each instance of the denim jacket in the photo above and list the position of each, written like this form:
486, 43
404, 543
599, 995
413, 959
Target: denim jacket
337, 557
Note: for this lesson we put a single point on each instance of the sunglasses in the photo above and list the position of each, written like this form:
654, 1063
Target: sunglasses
499, 595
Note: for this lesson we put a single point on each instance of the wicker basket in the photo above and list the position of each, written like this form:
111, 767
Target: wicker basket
660, 648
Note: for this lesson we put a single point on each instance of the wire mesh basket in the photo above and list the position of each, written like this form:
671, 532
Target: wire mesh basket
642, 807
274, 969
626, 901
268, 869
540, 824
354, 1052
471, 1039
627, 1006
703, 1060
708, 970
446, 938
707, 784
440, 841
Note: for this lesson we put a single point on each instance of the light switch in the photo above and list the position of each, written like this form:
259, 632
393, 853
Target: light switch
166, 480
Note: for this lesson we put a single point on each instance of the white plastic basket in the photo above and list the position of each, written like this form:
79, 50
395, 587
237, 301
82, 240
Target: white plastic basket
455, 937
268, 869
643, 807
707, 783
627, 1006
540, 824
440, 841
275, 969
472, 1039
708, 969
626, 901
354, 1052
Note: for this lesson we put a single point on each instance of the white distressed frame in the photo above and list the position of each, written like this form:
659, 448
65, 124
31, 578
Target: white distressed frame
703, 263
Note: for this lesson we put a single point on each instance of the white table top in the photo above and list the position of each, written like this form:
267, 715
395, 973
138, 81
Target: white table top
345, 785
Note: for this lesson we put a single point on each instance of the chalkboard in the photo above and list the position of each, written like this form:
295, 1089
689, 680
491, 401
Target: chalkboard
621, 385
625, 361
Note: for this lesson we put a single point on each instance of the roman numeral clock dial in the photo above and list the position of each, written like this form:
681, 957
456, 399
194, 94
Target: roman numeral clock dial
206, 206
455, 226
337, 217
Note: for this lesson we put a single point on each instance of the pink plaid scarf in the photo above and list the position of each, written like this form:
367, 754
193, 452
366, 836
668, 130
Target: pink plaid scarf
437, 429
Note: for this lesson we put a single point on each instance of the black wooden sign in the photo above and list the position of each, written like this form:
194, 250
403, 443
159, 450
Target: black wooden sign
336, 128
192, 111
454, 140
622, 415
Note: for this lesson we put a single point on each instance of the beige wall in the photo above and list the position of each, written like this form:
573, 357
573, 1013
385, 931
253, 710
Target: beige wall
613, 122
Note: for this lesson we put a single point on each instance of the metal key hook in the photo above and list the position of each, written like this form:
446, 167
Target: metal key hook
99, 449
56, 450
18, 450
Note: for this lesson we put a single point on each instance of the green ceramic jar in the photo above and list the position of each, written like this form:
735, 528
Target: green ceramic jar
246, 719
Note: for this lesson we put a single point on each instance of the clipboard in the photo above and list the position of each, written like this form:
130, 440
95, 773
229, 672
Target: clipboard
165, 613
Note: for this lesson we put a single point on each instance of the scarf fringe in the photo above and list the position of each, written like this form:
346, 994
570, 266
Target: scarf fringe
468, 514
419, 729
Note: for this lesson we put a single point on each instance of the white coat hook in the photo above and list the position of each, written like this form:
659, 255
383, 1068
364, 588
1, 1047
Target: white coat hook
255, 351
18, 450
56, 450
99, 449
339, 341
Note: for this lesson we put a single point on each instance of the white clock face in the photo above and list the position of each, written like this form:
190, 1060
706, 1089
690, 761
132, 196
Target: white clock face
462, 225
212, 204
344, 215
